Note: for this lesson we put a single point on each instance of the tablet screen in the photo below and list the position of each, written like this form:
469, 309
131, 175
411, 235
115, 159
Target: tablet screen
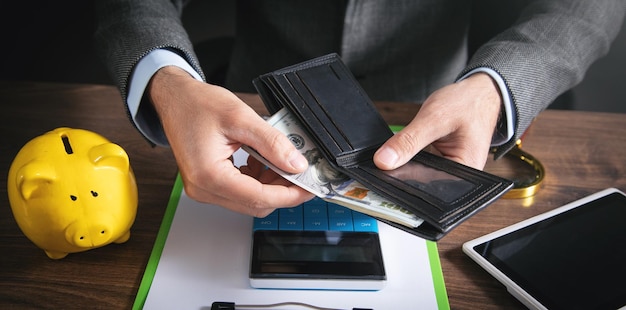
573, 260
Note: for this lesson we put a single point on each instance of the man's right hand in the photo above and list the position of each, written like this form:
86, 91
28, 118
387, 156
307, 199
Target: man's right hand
205, 124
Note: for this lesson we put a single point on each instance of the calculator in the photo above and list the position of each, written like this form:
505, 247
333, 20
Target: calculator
317, 245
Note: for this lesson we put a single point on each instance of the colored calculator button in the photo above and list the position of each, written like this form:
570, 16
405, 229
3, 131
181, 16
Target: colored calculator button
317, 215
365, 224
340, 224
295, 211
315, 210
267, 223
337, 211
316, 223
290, 223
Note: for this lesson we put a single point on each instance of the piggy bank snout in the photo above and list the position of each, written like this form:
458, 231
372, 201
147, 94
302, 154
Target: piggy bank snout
88, 235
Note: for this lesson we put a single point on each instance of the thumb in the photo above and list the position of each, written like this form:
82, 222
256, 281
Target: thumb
397, 151
402, 146
276, 148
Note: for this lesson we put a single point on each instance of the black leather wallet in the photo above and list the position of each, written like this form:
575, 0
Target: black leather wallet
344, 124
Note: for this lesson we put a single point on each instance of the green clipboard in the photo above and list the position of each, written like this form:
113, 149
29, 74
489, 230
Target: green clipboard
168, 217
159, 244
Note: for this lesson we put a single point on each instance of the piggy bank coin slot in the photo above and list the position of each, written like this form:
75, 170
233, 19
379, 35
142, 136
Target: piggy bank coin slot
67, 145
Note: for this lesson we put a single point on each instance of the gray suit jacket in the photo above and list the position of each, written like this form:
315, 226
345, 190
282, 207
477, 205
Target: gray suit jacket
400, 50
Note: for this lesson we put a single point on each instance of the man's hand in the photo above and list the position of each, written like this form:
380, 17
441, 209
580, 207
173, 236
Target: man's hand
205, 125
458, 121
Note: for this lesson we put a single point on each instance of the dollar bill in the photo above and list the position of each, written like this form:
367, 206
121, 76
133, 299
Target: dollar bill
322, 180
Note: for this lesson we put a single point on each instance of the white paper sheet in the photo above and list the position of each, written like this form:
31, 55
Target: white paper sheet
206, 259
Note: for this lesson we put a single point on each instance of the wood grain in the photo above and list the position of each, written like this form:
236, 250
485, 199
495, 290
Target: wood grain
582, 152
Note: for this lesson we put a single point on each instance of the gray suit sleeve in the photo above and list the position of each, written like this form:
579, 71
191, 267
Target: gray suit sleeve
127, 30
547, 51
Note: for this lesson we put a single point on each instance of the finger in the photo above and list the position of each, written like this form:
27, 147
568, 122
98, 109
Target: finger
244, 194
468, 151
463, 145
257, 199
273, 145
402, 146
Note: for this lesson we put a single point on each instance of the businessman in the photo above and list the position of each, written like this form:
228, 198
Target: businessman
402, 50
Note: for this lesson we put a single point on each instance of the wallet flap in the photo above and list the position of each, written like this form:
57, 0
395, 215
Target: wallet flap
332, 107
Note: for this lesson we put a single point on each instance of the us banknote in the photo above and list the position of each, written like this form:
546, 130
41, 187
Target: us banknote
322, 180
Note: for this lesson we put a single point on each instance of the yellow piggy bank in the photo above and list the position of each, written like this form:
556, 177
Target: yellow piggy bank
72, 190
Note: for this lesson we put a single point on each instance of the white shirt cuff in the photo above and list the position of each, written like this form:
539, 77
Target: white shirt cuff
507, 128
143, 72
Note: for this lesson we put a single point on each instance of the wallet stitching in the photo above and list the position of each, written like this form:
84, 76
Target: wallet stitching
324, 110
305, 119
330, 58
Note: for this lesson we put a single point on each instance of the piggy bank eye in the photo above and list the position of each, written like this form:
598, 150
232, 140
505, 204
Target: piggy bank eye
73, 197
94, 193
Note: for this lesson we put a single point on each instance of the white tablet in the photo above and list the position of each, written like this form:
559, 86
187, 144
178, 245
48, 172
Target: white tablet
573, 257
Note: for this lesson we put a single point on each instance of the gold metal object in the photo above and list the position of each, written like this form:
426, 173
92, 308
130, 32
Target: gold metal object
522, 188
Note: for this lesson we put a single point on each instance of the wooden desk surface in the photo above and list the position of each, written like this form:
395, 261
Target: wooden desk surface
582, 152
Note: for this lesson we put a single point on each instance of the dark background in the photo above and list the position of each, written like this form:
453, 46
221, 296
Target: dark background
52, 41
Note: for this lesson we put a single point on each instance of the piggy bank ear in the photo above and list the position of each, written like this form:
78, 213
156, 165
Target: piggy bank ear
109, 155
33, 177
